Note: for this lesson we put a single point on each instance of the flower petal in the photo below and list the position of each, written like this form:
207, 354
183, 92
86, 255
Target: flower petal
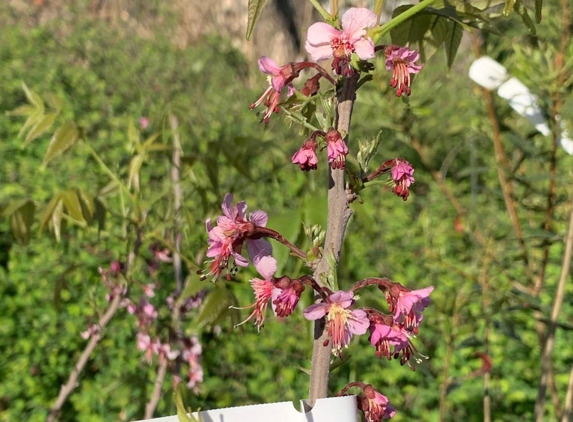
364, 48
318, 39
257, 249
356, 19
259, 218
316, 311
266, 266
268, 66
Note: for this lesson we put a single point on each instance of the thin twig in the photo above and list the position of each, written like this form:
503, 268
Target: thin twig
568, 411
547, 352
156, 395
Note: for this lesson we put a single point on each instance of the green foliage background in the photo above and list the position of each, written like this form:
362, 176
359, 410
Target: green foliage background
107, 78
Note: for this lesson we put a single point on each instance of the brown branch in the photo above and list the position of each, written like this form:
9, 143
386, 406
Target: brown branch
568, 411
338, 215
546, 361
72, 381
155, 396
502, 168
273, 234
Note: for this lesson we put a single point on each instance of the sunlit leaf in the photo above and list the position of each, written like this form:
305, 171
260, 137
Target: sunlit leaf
34, 98
47, 214
34, 118
25, 110
64, 137
56, 219
255, 9
42, 126
54, 102
73, 206
134, 168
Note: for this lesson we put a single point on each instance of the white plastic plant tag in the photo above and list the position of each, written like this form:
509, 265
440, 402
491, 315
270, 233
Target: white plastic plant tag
488, 73
524, 102
334, 409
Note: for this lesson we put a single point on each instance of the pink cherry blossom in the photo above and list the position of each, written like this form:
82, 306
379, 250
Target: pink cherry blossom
324, 42
266, 266
149, 289
306, 156
400, 60
145, 344
408, 306
285, 296
279, 78
164, 351
337, 149
143, 122
226, 239
342, 322
403, 177
375, 405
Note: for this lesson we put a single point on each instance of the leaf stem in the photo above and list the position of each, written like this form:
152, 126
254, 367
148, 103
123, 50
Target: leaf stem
325, 15
383, 29
106, 169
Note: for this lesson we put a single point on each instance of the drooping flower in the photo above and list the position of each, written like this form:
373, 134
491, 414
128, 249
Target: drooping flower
403, 177
342, 322
408, 305
337, 149
285, 296
306, 156
226, 239
400, 60
392, 341
279, 78
375, 405
164, 351
145, 344
266, 266
324, 41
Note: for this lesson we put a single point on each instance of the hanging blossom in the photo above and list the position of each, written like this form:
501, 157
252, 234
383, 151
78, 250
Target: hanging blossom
336, 148
324, 42
266, 266
285, 296
403, 177
280, 77
400, 60
393, 342
226, 239
374, 405
408, 305
306, 156
342, 322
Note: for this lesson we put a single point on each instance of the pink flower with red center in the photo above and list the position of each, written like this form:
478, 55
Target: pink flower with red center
375, 405
392, 341
285, 296
279, 78
266, 266
324, 42
408, 305
337, 149
342, 322
306, 156
400, 60
403, 177
232, 230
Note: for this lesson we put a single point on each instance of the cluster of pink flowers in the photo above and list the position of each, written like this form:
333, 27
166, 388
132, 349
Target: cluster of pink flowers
232, 231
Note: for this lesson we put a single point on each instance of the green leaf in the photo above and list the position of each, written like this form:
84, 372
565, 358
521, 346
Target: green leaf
34, 98
134, 168
521, 10
21, 215
100, 213
73, 206
255, 9
216, 305
40, 127
182, 414
452, 41
87, 204
193, 286
25, 110
64, 137
34, 118
133, 136
47, 214
56, 220
54, 102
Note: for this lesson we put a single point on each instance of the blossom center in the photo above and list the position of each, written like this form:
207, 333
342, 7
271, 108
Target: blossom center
342, 47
